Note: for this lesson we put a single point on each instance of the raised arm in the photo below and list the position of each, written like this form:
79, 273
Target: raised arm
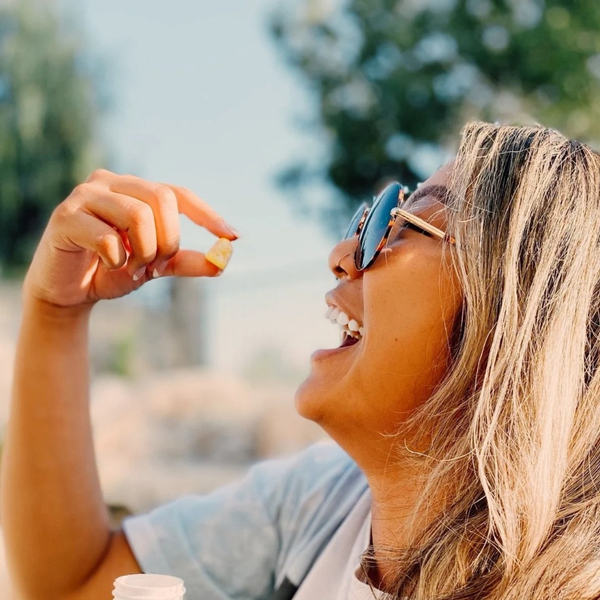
55, 523
102, 242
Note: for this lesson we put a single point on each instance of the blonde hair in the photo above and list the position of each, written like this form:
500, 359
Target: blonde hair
516, 419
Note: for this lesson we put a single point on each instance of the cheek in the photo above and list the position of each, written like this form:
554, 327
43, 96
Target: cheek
410, 307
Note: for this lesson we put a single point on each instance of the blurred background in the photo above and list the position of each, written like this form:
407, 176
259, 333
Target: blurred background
283, 116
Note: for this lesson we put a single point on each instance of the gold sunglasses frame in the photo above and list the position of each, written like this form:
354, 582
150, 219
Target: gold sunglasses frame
394, 214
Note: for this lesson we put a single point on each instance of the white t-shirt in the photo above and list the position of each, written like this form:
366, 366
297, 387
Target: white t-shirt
334, 574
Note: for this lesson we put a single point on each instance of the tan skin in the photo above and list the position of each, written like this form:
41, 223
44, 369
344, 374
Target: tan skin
54, 521
407, 305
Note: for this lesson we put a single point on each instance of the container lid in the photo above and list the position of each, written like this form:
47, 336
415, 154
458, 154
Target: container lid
149, 585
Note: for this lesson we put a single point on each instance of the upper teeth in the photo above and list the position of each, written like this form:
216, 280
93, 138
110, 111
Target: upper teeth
347, 325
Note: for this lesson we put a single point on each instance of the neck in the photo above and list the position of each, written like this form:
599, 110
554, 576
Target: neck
396, 489
395, 520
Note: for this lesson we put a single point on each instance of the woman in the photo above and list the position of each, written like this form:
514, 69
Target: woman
467, 415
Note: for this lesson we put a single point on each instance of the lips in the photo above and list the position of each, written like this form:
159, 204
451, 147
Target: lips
345, 347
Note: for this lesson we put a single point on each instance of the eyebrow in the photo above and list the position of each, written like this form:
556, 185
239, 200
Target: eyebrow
441, 192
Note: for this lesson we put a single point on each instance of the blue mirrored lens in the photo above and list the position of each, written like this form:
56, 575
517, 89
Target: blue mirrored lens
353, 226
375, 224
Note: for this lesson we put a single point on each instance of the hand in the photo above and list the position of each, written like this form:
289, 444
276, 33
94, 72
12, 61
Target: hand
110, 228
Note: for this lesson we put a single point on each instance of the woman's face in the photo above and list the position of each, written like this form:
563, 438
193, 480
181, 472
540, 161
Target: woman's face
406, 303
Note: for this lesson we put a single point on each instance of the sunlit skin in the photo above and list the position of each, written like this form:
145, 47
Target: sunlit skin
112, 227
407, 304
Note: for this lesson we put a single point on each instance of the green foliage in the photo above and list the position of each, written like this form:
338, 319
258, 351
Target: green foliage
48, 107
395, 80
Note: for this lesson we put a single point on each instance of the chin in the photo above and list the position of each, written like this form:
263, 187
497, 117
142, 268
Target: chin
317, 400
310, 400
325, 396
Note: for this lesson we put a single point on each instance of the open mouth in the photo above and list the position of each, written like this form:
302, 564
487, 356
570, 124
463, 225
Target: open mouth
351, 331
349, 341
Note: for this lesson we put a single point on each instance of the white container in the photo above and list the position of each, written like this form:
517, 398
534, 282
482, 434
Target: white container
148, 586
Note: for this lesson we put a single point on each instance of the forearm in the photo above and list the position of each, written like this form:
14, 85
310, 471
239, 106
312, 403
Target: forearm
55, 523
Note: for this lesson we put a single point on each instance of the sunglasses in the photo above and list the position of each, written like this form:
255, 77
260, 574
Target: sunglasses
373, 225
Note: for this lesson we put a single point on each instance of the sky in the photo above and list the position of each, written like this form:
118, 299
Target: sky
201, 99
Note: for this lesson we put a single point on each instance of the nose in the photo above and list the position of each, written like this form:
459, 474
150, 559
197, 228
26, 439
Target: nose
341, 259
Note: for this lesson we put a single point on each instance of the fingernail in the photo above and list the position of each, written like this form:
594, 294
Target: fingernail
139, 273
231, 229
159, 269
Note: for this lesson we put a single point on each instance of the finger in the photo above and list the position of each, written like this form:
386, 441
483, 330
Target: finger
87, 232
189, 263
202, 213
187, 202
130, 215
165, 209
124, 239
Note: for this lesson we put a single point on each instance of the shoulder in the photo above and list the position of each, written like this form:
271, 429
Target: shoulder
270, 524
320, 489
307, 478
319, 462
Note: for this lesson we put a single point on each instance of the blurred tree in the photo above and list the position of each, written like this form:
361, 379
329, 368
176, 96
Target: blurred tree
48, 106
395, 80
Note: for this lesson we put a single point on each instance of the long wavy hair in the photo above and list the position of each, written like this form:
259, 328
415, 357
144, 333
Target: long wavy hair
516, 419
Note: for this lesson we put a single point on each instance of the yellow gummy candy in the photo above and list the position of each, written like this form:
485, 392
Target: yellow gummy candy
220, 253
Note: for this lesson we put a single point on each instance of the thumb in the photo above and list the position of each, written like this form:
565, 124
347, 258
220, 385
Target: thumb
187, 263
